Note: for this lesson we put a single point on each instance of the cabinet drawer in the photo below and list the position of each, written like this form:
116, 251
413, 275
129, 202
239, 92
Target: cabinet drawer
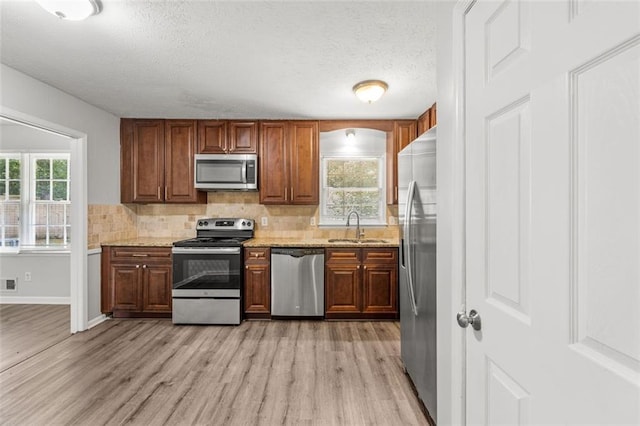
257, 254
380, 255
133, 253
337, 255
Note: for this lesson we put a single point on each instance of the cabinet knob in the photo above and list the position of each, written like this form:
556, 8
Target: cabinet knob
358, 267
137, 266
256, 254
246, 267
144, 266
365, 267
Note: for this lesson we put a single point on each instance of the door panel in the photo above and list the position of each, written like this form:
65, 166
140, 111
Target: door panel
156, 288
305, 161
180, 148
274, 174
148, 160
552, 103
126, 286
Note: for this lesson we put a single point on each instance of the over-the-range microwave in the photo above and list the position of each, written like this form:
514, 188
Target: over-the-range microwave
221, 172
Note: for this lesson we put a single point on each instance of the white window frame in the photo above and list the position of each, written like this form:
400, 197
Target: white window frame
33, 202
28, 202
382, 201
5, 200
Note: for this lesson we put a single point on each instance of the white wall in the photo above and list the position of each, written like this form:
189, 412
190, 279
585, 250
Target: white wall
449, 292
17, 137
27, 96
22, 93
50, 272
93, 268
49, 278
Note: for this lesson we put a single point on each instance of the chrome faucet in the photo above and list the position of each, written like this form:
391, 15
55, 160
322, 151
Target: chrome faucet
358, 233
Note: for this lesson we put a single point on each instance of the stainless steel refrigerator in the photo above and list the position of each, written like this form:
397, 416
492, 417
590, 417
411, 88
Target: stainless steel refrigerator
418, 220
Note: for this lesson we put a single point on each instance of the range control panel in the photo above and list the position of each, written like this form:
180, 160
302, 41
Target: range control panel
225, 224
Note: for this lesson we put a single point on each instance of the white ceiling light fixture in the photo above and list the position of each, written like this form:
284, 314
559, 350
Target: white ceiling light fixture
370, 91
351, 135
71, 10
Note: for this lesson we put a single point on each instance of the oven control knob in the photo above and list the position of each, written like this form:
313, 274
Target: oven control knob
206, 223
200, 223
249, 223
244, 223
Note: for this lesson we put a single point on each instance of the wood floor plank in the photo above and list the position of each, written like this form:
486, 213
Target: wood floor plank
151, 372
26, 330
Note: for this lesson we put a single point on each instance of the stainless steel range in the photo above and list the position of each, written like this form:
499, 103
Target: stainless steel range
208, 272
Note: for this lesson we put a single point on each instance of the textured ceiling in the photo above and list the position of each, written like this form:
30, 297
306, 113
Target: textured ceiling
230, 59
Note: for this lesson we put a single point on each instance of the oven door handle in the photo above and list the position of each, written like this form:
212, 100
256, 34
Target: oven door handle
212, 250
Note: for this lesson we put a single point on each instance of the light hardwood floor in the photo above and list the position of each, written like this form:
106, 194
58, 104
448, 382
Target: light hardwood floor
26, 330
259, 373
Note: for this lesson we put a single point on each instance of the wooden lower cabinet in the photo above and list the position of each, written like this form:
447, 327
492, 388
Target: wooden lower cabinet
257, 283
136, 281
361, 283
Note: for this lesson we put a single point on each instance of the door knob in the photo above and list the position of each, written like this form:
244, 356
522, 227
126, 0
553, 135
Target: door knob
472, 319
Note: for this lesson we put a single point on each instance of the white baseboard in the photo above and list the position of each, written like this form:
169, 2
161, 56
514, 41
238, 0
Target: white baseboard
97, 320
26, 300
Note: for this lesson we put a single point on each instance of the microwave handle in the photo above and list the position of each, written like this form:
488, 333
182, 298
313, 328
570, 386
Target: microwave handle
244, 172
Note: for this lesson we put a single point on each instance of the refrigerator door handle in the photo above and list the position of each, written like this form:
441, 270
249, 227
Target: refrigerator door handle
407, 247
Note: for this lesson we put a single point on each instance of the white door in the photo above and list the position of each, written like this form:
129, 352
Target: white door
552, 125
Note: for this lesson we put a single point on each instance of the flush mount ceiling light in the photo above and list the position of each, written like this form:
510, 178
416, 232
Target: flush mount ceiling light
351, 135
71, 10
370, 90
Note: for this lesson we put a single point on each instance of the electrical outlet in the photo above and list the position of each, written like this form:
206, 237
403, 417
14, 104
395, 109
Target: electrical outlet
264, 221
27, 276
312, 221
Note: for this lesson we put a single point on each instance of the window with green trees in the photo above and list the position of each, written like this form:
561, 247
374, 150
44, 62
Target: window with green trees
35, 204
10, 187
352, 183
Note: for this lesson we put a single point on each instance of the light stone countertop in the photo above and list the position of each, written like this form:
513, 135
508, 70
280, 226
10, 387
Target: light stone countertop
264, 242
319, 242
143, 242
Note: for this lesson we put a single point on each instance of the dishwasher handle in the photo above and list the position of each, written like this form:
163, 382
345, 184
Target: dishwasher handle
296, 252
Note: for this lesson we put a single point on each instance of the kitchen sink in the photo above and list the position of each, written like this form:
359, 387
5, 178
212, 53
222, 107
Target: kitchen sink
353, 240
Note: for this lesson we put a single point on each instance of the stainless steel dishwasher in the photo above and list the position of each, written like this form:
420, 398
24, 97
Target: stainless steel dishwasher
297, 282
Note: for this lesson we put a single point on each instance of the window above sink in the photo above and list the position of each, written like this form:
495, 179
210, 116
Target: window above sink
353, 176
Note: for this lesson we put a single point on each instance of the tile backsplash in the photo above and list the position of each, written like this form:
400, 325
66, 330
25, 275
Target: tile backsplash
109, 223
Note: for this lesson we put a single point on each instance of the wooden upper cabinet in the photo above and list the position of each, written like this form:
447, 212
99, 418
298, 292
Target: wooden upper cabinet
427, 120
180, 147
289, 162
404, 131
274, 173
142, 161
156, 161
243, 137
212, 137
433, 117
227, 137
304, 162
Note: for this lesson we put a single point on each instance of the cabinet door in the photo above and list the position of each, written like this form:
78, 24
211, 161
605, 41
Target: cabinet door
257, 282
156, 288
274, 170
243, 137
380, 282
424, 122
304, 162
180, 144
125, 286
342, 289
380, 288
403, 133
257, 289
433, 116
212, 137
142, 161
